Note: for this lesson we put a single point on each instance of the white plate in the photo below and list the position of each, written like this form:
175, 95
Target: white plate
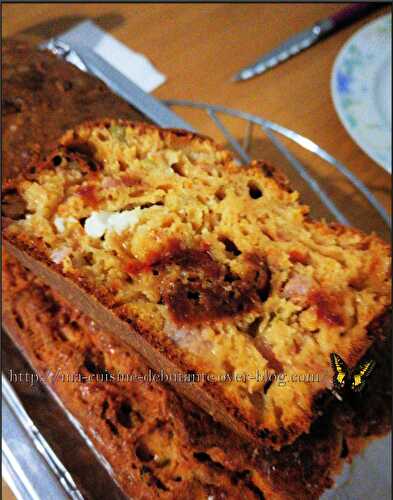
361, 87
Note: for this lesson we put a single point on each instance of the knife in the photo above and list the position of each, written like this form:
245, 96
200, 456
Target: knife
87, 60
305, 39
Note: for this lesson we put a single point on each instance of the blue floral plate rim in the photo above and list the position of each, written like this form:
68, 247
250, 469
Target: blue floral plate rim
351, 92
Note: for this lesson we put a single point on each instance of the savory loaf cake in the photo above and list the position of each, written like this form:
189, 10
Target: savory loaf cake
40, 322
158, 444
204, 267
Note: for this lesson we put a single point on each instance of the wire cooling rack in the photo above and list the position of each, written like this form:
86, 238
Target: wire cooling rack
273, 130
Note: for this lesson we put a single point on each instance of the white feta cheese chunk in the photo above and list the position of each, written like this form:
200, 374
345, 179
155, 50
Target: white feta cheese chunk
100, 222
119, 222
59, 223
59, 254
97, 224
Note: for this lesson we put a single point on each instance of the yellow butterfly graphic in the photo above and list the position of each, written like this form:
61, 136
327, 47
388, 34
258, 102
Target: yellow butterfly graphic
355, 377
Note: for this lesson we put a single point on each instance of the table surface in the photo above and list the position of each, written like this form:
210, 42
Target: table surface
200, 46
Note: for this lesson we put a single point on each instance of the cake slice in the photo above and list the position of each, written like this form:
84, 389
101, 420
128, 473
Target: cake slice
211, 271
158, 444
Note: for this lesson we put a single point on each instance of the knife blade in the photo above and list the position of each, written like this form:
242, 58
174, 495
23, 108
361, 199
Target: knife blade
87, 60
305, 39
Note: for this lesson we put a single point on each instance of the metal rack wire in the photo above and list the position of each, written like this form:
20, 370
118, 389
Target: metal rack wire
272, 130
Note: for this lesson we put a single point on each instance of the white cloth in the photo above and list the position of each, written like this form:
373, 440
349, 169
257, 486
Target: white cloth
133, 65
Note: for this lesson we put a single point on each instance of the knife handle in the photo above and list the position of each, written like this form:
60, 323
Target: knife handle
352, 12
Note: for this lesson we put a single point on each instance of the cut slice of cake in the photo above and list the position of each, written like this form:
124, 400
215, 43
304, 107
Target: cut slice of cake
207, 269
160, 445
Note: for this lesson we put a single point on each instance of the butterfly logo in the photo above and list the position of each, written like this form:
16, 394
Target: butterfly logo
345, 377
